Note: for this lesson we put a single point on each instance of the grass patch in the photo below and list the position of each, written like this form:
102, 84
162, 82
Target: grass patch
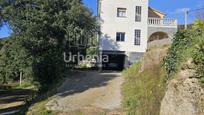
25, 85
40, 109
143, 91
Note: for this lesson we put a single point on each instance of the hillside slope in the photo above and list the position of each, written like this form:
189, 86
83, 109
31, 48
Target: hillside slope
184, 64
184, 94
144, 85
168, 80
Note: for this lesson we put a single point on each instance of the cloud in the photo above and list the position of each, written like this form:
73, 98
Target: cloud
181, 10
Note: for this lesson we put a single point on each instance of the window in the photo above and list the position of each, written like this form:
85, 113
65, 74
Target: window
138, 13
121, 12
137, 37
120, 36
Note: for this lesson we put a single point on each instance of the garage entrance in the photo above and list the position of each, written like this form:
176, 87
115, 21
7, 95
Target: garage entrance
116, 61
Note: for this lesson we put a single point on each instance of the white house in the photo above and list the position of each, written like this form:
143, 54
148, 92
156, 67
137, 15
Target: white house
126, 27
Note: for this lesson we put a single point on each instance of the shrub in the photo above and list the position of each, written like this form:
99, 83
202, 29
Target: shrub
186, 44
198, 57
180, 50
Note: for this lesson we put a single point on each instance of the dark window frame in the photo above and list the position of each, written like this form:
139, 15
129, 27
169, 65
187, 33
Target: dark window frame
138, 13
137, 40
120, 36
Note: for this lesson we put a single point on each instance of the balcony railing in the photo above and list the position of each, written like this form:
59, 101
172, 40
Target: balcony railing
162, 22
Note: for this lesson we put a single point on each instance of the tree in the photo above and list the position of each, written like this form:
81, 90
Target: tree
47, 28
198, 24
13, 61
3, 63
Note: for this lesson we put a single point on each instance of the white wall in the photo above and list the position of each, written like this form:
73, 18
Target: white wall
110, 24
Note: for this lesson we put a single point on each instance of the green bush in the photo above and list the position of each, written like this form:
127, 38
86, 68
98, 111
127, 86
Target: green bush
181, 49
198, 57
186, 44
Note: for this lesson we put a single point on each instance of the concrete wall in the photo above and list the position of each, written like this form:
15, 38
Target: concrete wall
110, 24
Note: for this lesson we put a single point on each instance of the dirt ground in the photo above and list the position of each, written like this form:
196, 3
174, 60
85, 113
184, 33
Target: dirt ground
89, 92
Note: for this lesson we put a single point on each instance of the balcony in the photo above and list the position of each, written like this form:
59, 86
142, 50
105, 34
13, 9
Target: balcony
158, 22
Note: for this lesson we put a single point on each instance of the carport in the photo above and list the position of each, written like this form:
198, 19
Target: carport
116, 60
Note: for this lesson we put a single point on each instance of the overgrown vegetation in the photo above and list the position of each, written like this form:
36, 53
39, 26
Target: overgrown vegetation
180, 49
144, 90
186, 44
198, 56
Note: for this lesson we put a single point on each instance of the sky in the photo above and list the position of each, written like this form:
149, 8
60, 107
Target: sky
173, 9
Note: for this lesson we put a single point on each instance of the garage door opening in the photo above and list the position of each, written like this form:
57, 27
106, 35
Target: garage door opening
116, 62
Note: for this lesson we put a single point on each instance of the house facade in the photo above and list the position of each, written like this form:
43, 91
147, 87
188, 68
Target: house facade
126, 28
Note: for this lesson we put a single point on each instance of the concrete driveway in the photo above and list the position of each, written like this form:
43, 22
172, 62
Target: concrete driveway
89, 89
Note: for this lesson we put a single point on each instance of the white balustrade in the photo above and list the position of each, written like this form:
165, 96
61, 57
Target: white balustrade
162, 22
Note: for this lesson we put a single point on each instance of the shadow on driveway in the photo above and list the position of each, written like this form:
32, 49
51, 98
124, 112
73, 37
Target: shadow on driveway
85, 80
